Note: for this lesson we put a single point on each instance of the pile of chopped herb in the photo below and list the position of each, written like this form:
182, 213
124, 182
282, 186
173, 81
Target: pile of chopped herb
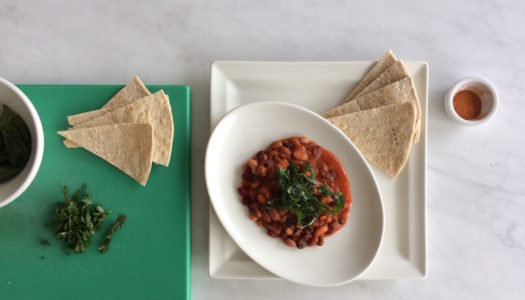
78, 219
15, 144
298, 193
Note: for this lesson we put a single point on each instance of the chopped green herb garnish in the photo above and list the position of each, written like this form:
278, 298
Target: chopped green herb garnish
298, 193
118, 224
15, 144
77, 219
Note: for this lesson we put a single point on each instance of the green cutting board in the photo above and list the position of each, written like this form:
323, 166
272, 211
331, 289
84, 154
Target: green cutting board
149, 258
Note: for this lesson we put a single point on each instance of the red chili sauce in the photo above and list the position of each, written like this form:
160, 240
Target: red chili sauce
260, 190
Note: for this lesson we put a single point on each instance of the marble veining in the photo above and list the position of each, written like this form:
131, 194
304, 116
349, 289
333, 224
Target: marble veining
476, 190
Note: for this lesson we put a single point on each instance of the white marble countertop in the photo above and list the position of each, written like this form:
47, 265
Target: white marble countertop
476, 186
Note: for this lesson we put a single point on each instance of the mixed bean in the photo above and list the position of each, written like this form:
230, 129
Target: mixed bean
260, 187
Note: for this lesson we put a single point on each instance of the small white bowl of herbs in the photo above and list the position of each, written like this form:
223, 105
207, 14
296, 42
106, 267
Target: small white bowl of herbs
21, 142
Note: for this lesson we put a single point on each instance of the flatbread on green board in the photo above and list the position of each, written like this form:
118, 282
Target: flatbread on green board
134, 90
383, 134
387, 60
154, 109
397, 92
127, 146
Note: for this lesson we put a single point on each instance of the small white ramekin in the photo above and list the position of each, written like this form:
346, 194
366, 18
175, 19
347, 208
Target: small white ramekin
486, 92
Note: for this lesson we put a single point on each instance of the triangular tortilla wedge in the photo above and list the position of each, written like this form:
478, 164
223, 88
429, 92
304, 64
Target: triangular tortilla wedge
397, 92
396, 72
387, 60
134, 90
383, 135
154, 109
128, 147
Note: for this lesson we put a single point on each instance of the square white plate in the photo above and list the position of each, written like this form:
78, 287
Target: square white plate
320, 86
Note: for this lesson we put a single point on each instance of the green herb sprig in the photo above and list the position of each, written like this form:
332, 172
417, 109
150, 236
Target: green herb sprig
118, 224
15, 144
78, 219
298, 193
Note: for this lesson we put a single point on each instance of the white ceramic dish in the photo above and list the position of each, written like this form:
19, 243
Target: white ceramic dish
320, 86
250, 128
18, 102
486, 92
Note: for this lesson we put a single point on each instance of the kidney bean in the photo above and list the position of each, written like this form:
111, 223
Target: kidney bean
289, 243
261, 170
275, 227
316, 152
254, 184
285, 152
264, 190
283, 164
274, 214
334, 226
253, 217
271, 233
301, 243
266, 216
261, 199
276, 145
247, 176
304, 140
321, 230
313, 241
252, 163
261, 156
307, 235
289, 231
299, 153
297, 232
255, 206
243, 191
320, 242
327, 200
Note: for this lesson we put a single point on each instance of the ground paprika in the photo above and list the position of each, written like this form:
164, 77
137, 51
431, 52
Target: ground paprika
467, 104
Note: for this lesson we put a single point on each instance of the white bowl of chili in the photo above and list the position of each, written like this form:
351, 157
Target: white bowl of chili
245, 131
472, 101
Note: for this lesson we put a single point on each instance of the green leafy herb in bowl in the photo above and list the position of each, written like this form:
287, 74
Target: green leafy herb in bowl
15, 144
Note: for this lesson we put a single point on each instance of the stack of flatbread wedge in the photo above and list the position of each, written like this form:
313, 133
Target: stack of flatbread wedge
381, 115
131, 131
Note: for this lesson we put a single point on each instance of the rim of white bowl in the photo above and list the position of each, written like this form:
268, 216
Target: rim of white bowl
39, 147
449, 103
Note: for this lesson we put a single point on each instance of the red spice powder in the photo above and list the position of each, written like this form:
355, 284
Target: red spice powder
467, 104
